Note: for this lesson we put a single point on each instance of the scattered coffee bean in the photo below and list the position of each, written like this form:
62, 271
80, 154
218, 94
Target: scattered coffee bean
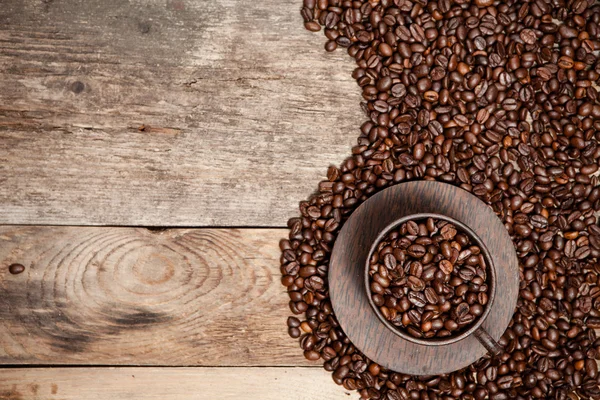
16, 269
501, 99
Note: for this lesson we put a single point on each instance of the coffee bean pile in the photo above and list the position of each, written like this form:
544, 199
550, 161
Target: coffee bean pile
428, 279
499, 98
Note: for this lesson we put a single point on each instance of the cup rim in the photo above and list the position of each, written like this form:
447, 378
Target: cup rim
491, 270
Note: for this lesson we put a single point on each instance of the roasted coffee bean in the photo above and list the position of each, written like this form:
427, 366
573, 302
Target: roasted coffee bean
294, 332
501, 99
431, 295
528, 36
16, 269
417, 299
312, 355
416, 251
293, 322
402, 253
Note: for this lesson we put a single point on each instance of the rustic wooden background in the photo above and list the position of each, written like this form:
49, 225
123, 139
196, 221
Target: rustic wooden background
208, 119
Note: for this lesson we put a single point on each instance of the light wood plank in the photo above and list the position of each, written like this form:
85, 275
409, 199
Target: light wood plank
167, 112
169, 384
124, 296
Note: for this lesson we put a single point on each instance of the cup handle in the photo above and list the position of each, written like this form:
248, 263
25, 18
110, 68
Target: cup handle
488, 342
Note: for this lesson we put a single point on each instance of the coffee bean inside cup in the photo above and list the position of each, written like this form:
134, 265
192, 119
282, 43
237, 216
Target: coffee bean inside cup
429, 279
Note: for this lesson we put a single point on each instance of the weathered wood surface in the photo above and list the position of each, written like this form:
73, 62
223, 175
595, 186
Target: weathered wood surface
169, 384
166, 112
127, 296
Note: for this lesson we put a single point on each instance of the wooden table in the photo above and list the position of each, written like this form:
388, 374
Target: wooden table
151, 152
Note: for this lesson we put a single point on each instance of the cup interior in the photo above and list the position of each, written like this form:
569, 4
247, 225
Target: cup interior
491, 281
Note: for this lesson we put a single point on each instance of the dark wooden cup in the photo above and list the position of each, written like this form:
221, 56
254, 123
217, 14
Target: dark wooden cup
349, 289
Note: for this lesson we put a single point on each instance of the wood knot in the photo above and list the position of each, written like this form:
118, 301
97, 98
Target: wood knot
144, 27
77, 87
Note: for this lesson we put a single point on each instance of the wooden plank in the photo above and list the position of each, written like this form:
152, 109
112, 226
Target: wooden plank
131, 296
167, 112
168, 384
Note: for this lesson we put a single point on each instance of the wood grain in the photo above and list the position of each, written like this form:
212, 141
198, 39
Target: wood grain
167, 112
125, 296
168, 384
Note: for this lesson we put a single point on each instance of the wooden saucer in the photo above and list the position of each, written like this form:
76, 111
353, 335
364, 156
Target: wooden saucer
351, 302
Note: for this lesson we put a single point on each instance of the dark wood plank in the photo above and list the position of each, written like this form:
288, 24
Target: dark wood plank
166, 112
124, 296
